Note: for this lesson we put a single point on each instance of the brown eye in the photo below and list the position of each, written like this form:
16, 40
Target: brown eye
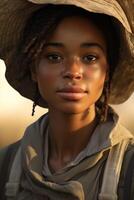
89, 58
54, 58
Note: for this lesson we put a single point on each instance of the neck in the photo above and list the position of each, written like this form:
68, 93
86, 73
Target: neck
70, 133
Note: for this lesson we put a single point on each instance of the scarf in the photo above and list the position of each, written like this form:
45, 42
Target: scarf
81, 181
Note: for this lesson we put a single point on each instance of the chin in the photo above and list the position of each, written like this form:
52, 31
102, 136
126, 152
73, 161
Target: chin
73, 108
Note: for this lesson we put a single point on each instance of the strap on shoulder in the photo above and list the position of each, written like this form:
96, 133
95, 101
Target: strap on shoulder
128, 178
8, 156
112, 171
12, 186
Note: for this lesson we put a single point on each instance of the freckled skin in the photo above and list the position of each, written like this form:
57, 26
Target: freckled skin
72, 32
77, 57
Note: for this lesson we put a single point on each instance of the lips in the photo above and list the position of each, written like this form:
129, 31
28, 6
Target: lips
72, 93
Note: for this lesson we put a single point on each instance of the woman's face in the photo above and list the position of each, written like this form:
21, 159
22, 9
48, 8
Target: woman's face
72, 69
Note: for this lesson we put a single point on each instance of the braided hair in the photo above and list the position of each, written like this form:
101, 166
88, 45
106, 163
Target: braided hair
42, 24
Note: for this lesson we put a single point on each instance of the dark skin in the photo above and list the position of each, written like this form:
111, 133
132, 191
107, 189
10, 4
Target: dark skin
70, 76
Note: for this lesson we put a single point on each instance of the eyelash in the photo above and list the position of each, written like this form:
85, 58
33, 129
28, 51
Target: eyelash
54, 58
91, 58
51, 56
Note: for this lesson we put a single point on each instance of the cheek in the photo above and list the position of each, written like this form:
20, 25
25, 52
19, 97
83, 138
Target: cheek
96, 89
96, 81
46, 82
96, 71
45, 75
100, 82
49, 78
96, 75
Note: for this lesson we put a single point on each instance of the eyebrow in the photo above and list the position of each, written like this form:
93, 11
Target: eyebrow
92, 44
83, 45
54, 44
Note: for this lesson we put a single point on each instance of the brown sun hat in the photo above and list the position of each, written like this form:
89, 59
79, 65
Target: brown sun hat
14, 15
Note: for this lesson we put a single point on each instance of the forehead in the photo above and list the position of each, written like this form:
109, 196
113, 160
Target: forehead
77, 28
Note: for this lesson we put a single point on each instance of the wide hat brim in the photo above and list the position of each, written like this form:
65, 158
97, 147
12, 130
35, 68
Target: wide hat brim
14, 15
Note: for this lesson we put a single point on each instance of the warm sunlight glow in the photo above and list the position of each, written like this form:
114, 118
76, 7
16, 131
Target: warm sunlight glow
15, 112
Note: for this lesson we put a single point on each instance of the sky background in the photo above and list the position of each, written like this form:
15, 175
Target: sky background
15, 112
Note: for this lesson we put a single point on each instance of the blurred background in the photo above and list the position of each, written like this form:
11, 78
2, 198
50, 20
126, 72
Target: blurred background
15, 112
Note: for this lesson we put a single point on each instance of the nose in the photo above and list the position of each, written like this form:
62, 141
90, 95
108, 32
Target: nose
72, 75
73, 71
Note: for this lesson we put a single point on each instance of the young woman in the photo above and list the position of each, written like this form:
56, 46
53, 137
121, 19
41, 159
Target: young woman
65, 58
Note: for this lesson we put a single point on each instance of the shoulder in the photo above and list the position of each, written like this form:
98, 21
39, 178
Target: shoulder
7, 152
126, 182
124, 132
129, 154
3, 152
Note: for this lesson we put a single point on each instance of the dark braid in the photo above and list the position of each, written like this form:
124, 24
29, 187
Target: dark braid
104, 103
43, 23
36, 98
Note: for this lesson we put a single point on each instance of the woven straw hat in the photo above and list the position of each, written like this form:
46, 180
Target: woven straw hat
14, 15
